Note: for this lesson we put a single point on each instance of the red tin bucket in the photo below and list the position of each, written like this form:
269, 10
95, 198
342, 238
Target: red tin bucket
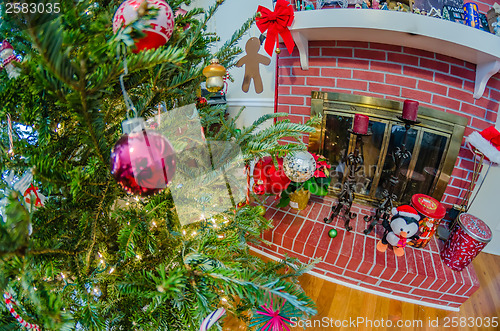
431, 212
467, 240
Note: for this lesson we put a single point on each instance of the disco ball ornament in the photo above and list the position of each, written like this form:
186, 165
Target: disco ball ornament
267, 179
300, 166
160, 27
143, 162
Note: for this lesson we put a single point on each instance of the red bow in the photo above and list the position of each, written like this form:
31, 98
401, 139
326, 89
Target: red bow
276, 23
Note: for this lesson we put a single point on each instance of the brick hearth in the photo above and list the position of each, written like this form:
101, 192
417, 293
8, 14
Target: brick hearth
352, 259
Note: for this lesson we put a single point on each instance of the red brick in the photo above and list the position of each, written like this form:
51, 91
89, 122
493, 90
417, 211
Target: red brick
460, 94
342, 261
434, 65
418, 52
314, 51
354, 275
432, 87
494, 94
283, 108
416, 95
352, 84
469, 86
463, 72
313, 214
298, 246
491, 116
336, 72
458, 182
302, 90
384, 88
287, 62
291, 80
395, 286
337, 52
284, 71
309, 250
322, 62
386, 67
388, 273
301, 110
446, 102
358, 44
320, 253
401, 80
418, 72
297, 71
386, 47
368, 75
283, 90
426, 293
453, 298
369, 54
479, 124
322, 43
448, 80
473, 110
320, 81
449, 59
403, 58
352, 63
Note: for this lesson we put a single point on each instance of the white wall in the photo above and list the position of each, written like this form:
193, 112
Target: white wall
486, 206
230, 17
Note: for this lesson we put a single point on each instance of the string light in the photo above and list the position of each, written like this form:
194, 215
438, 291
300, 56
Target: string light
63, 276
194, 233
184, 232
100, 255
111, 270
138, 257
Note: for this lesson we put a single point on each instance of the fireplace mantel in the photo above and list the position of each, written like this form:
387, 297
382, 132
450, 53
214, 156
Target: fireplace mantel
403, 29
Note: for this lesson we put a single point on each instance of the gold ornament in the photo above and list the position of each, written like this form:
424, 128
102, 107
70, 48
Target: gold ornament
277, 50
299, 199
215, 76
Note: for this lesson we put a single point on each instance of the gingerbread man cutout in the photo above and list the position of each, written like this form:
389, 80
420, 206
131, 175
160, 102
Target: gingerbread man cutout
251, 61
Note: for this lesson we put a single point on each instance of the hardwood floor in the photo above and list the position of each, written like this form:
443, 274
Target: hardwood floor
338, 304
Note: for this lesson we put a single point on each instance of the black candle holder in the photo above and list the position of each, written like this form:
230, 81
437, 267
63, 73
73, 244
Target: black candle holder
346, 196
384, 208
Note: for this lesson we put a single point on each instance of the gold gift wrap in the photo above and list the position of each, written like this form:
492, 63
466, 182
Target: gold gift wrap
299, 199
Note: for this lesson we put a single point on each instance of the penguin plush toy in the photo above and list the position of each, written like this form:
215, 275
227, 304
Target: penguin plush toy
402, 228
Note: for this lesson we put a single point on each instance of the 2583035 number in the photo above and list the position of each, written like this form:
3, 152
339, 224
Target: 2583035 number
32, 8
470, 322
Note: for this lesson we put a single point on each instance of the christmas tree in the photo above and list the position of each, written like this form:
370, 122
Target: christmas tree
92, 256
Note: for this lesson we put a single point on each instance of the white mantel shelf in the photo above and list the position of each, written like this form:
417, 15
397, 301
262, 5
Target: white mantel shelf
403, 29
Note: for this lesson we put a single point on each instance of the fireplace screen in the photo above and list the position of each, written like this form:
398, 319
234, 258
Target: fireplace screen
434, 145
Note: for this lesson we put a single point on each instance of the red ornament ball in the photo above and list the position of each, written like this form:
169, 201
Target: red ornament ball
267, 179
161, 26
143, 162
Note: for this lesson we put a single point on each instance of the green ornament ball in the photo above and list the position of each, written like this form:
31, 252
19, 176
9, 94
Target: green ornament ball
332, 233
238, 131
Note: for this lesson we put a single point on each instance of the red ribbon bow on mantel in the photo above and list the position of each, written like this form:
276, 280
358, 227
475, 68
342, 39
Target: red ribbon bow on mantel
276, 23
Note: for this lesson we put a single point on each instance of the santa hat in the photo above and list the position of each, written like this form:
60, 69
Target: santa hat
486, 142
406, 211
6, 45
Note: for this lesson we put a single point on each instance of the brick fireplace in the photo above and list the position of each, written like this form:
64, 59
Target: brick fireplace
396, 73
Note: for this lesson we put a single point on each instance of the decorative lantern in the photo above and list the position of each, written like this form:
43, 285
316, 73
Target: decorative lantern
215, 76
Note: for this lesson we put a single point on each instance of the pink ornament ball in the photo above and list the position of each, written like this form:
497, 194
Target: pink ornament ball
161, 27
143, 162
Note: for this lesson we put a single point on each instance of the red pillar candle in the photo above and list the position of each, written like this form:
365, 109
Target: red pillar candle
360, 124
410, 110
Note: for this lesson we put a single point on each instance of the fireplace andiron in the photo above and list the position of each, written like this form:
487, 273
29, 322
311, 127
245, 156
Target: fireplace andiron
346, 197
383, 211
